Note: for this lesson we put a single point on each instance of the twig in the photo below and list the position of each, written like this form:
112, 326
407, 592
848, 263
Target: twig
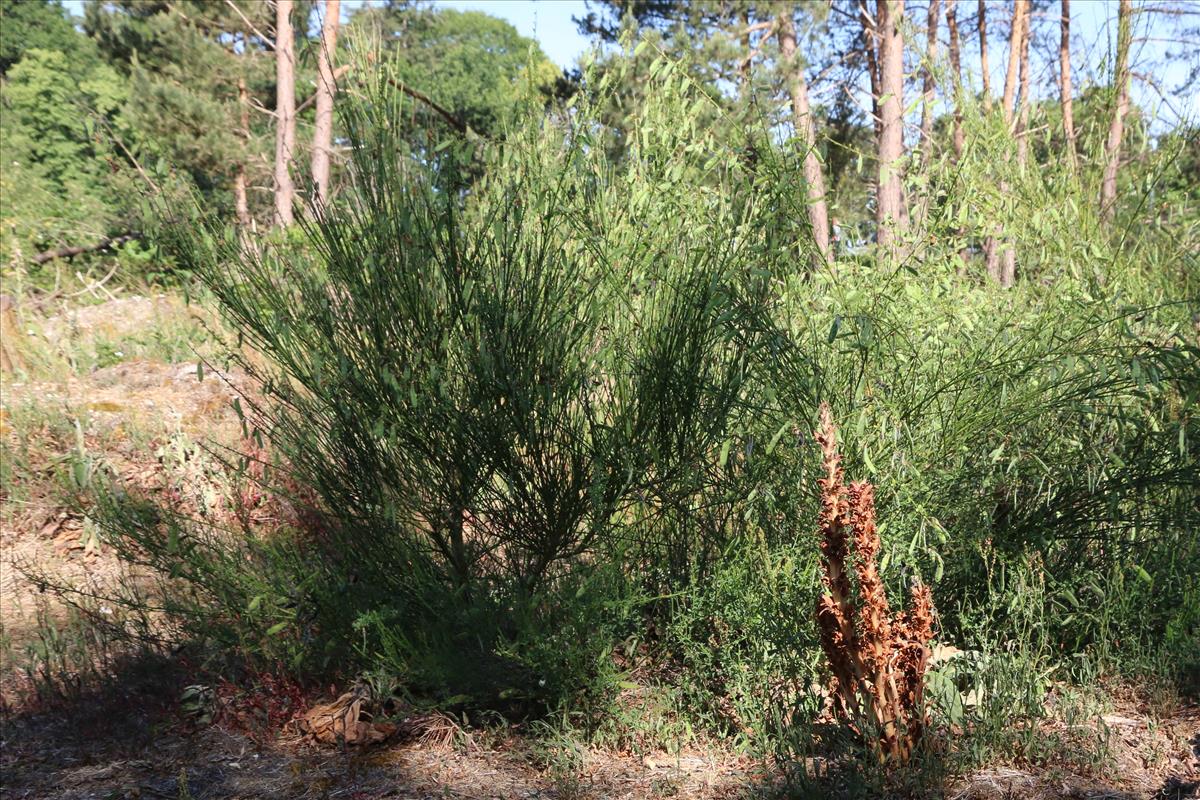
312, 98
71, 252
96, 285
250, 24
452, 120
133, 160
869, 112
758, 26
92, 287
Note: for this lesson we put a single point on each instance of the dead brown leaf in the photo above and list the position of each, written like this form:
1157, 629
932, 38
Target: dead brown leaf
343, 721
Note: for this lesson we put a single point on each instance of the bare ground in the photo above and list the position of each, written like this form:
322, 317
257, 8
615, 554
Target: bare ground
43, 757
131, 745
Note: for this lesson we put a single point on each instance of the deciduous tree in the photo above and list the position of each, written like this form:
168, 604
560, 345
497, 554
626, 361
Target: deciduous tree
476, 67
40, 25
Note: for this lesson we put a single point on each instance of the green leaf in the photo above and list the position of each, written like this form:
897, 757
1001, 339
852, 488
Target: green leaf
778, 435
867, 460
833, 329
79, 473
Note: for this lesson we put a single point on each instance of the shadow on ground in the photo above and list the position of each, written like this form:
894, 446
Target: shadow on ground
130, 739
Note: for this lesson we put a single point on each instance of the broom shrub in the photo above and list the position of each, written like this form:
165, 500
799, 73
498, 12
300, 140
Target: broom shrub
550, 419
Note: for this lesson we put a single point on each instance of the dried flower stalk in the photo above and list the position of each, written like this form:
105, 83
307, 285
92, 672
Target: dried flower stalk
878, 658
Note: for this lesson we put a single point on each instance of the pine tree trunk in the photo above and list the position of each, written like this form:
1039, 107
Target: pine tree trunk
1023, 102
928, 86
991, 256
1001, 260
983, 58
285, 112
1064, 83
1020, 8
1116, 129
956, 70
1009, 273
326, 86
241, 203
958, 140
814, 176
889, 207
744, 66
871, 48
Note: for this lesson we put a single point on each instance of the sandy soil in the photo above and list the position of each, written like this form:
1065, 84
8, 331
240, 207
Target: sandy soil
41, 759
130, 746
156, 400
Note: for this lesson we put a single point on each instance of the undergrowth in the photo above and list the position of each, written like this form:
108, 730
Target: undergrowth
540, 436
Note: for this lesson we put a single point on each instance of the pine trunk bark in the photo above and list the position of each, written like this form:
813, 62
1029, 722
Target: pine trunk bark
956, 76
1020, 8
285, 112
241, 202
983, 58
928, 86
1116, 129
889, 207
326, 87
871, 48
1009, 274
747, 50
1064, 83
959, 139
1023, 101
1001, 259
814, 176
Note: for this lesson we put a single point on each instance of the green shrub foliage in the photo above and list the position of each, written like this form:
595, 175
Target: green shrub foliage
550, 414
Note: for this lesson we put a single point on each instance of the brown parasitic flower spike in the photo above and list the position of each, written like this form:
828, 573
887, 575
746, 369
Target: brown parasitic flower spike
878, 658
